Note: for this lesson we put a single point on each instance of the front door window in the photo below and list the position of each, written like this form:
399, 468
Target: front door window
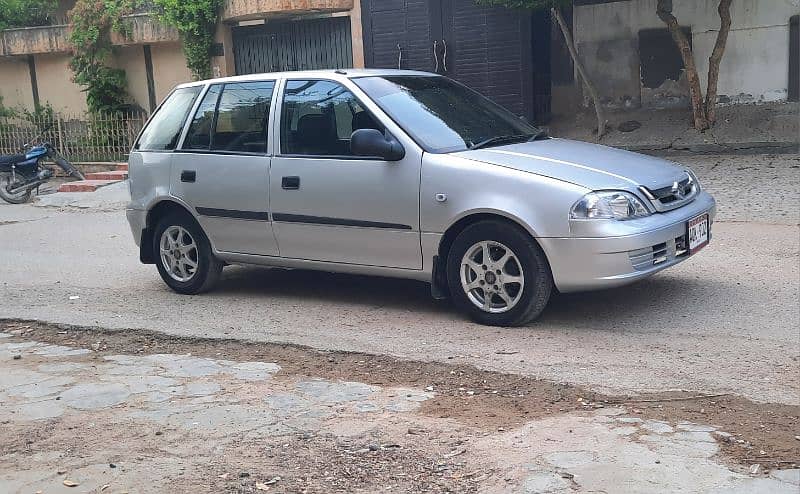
318, 118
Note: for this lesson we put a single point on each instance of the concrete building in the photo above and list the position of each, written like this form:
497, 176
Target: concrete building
34, 61
633, 60
515, 57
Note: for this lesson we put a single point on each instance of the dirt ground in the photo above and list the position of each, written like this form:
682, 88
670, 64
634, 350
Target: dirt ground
423, 452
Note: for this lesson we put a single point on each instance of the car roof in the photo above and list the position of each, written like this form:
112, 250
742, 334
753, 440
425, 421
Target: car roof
337, 74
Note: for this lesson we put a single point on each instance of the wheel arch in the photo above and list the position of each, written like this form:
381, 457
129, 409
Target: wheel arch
473, 217
470, 218
157, 211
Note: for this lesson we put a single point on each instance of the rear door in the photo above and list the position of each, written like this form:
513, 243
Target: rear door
221, 168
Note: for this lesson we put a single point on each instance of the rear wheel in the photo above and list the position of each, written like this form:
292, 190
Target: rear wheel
498, 274
183, 255
20, 197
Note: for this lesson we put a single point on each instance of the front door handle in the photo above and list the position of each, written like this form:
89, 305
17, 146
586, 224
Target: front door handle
290, 183
188, 176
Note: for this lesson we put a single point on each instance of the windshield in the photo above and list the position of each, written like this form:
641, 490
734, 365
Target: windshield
443, 115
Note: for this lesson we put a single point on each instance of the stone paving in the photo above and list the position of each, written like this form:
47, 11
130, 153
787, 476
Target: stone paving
177, 389
72, 416
612, 453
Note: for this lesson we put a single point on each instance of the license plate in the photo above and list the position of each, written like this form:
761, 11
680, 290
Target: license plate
697, 232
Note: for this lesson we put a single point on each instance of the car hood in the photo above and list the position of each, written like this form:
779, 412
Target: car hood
589, 165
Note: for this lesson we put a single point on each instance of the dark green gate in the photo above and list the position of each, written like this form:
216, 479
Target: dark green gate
293, 45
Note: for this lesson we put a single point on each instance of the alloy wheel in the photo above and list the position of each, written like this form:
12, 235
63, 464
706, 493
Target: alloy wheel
179, 254
492, 277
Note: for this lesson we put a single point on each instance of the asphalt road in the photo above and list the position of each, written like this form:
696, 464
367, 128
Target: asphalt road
725, 321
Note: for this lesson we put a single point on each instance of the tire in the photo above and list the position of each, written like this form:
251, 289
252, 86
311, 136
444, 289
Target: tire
183, 232
18, 198
517, 289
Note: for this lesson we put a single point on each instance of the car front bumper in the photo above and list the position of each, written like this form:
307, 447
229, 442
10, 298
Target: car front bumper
607, 253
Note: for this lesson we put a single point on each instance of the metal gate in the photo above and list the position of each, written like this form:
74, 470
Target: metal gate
295, 45
487, 48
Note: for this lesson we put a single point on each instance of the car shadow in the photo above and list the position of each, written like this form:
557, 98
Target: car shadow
328, 287
650, 304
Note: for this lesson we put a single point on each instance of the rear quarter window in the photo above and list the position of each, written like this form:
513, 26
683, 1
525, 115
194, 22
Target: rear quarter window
164, 128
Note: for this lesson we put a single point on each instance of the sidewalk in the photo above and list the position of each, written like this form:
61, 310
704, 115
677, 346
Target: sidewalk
89, 410
742, 129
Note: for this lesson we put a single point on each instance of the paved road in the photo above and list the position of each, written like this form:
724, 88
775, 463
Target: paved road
726, 321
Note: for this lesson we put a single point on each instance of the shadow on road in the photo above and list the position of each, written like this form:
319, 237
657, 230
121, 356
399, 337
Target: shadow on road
652, 303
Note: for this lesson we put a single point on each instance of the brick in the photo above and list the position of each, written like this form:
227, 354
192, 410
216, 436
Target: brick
85, 185
112, 175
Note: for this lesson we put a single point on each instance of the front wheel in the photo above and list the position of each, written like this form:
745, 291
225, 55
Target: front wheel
20, 197
498, 274
183, 255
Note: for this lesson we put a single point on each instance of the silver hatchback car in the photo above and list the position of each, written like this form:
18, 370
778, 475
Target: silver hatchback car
403, 174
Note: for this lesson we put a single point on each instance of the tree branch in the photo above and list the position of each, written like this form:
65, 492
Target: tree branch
714, 60
664, 12
601, 121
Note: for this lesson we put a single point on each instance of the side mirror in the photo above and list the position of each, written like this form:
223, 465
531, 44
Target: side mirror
371, 142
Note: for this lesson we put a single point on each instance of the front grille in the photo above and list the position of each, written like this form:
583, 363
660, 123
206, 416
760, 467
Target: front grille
643, 259
672, 196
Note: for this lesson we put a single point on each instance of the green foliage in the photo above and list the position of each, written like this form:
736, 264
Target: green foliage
6, 112
527, 4
195, 20
26, 13
43, 117
92, 24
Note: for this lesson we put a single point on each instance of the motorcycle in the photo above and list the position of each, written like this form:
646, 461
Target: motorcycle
21, 173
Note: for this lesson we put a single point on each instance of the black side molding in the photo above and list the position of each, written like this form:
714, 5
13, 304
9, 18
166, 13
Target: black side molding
322, 220
232, 213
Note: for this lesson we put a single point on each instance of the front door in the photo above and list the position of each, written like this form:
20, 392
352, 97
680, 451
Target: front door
222, 167
326, 203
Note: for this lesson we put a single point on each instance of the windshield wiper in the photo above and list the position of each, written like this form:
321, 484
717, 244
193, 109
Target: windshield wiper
538, 135
492, 141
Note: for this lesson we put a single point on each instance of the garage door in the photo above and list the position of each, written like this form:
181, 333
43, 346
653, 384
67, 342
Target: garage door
296, 45
486, 48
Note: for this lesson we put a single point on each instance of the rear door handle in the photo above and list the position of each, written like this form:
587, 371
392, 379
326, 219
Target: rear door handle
188, 176
290, 183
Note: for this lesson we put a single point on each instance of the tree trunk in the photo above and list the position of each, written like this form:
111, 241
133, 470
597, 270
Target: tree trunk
664, 11
724, 10
601, 121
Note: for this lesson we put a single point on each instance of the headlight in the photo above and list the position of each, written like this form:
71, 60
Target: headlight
617, 205
695, 181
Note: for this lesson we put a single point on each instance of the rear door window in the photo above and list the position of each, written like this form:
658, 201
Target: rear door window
164, 129
199, 135
242, 117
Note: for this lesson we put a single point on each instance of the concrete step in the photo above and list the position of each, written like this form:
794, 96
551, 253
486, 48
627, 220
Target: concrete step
85, 185
122, 167
112, 175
